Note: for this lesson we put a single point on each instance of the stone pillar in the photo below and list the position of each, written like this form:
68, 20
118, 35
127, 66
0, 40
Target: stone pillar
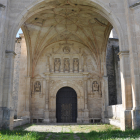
27, 97
46, 91
71, 65
62, 64
86, 111
2, 33
52, 62
8, 113
105, 98
80, 63
2, 17
48, 63
126, 117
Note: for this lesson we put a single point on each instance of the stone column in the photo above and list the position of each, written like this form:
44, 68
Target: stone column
62, 64
126, 117
46, 91
7, 121
80, 63
27, 97
2, 17
71, 65
86, 111
132, 34
2, 49
105, 98
48, 63
52, 62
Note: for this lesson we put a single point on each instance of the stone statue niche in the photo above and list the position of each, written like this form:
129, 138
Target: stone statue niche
66, 65
57, 64
95, 86
37, 86
75, 65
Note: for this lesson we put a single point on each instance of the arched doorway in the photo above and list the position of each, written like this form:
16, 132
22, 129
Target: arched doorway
66, 105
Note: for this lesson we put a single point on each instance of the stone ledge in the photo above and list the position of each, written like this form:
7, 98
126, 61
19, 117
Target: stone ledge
114, 122
7, 51
1, 5
135, 5
20, 122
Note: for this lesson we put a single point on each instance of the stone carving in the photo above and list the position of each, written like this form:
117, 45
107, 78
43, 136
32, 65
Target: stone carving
66, 49
76, 65
66, 65
57, 64
95, 86
80, 82
37, 86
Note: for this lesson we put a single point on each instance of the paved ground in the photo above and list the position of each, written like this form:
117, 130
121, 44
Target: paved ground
64, 132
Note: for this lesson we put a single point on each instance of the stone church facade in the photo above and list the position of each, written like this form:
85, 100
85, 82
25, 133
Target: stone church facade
63, 68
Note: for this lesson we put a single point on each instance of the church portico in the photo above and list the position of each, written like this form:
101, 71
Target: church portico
65, 68
65, 45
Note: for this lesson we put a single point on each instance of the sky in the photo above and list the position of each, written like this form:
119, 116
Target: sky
20, 31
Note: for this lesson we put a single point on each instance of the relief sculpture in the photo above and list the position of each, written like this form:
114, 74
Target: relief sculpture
66, 65
66, 49
76, 65
57, 64
95, 86
37, 86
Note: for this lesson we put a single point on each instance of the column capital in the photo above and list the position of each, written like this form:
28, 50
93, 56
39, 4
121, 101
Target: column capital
123, 53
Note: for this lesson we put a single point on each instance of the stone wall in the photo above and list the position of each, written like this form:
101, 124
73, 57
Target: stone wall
94, 99
113, 72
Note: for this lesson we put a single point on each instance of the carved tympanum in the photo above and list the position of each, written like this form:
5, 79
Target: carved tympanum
75, 64
95, 86
57, 64
66, 65
37, 86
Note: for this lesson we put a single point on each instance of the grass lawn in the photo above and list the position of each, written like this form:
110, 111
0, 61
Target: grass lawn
69, 132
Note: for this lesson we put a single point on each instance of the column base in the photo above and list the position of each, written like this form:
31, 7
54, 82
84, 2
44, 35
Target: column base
86, 116
79, 120
135, 119
6, 118
104, 115
46, 120
126, 120
46, 117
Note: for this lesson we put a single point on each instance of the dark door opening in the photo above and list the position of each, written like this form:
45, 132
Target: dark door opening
66, 105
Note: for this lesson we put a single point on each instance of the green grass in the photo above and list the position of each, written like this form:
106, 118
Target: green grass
21, 135
84, 132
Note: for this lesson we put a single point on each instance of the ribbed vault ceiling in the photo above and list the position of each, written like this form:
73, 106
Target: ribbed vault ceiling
66, 20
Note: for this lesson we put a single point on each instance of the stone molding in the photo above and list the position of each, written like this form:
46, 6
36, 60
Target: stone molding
1, 5
9, 51
135, 5
123, 53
